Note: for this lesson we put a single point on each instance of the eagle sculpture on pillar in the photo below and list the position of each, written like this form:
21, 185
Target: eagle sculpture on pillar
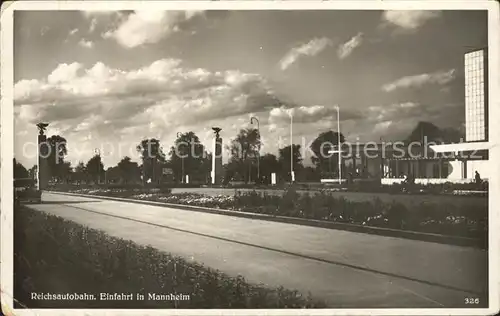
42, 127
216, 131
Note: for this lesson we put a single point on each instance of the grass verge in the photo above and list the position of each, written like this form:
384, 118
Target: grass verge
53, 255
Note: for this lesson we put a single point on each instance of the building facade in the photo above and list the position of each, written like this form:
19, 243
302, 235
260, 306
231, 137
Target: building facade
456, 162
476, 95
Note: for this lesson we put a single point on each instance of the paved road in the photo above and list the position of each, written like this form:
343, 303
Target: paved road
357, 196
346, 269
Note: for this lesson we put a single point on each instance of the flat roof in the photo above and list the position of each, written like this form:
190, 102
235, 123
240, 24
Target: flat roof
461, 147
437, 149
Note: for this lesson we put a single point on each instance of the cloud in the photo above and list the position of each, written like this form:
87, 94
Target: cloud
93, 25
383, 126
44, 30
149, 27
93, 13
439, 77
63, 73
348, 47
393, 111
164, 93
85, 43
73, 31
308, 114
312, 48
408, 20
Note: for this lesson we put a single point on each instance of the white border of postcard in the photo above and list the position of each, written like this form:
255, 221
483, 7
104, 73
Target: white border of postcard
7, 148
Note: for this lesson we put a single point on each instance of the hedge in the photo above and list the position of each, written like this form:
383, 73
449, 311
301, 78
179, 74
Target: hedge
53, 255
359, 185
443, 218
439, 218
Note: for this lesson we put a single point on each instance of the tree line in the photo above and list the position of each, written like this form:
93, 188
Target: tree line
187, 156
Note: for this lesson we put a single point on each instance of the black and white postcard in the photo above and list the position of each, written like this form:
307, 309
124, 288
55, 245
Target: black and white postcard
250, 157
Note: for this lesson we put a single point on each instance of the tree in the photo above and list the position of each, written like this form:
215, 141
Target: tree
206, 167
95, 168
65, 171
152, 157
80, 172
452, 135
309, 174
244, 148
33, 172
425, 129
58, 151
284, 160
19, 170
269, 164
113, 174
322, 159
188, 156
128, 170
428, 133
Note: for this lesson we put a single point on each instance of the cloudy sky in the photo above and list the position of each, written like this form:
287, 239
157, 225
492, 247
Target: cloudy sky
109, 79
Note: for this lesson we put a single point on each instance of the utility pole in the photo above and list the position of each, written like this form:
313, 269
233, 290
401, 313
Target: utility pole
292, 179
339, 145
98, 153
179, 134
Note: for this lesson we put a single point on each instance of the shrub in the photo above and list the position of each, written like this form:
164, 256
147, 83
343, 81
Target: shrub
438, 217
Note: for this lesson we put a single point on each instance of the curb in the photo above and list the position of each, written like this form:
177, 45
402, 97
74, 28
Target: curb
388, 232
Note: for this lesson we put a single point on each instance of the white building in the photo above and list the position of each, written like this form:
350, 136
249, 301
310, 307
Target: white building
455, 162
476, 147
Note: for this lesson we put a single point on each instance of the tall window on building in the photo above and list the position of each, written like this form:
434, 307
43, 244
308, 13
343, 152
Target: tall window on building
475, 114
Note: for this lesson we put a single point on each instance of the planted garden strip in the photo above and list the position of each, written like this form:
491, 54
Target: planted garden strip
85, 260
365, 185
254, 213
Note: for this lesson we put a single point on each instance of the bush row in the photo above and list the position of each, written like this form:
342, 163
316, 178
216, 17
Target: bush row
441, 218
125, 186
369, 186
53, 255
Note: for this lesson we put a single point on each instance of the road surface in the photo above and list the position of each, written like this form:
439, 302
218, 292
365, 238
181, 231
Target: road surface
407, 199
344, 268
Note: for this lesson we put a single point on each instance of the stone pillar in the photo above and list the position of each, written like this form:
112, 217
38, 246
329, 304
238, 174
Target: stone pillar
273, 178
464, 169
43, 164
217, 159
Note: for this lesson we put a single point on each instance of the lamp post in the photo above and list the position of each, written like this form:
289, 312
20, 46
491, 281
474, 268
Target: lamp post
98, 153
258, 153
292, 176
338, 142
179, 134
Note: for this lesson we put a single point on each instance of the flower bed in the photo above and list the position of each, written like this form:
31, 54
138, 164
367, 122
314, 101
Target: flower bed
440, 218
430, 217
53, 255
375, 186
